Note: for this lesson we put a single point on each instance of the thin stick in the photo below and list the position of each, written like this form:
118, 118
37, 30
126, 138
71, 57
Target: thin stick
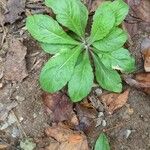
19, 125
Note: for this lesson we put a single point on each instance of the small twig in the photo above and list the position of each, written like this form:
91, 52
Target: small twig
4, 35
134, 83
19, 125
35, 65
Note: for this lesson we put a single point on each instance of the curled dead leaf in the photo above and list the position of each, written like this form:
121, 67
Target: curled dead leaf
66, 139
115, 101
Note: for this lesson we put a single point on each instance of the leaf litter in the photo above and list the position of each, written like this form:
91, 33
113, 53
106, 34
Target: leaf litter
66, 139
15, 65
114, 101
142, 80
5, 109
60, 106
146, 55
87, 118
14, 10
57, 144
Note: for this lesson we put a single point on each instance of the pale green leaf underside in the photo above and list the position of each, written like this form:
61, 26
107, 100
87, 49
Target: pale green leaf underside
108, 79
45, 29
102, 143
82, 80
58, 70
103, 22
113, 41
54, 48
119, 60
70, 13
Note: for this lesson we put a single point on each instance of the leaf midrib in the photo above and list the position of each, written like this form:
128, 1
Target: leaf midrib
57, 35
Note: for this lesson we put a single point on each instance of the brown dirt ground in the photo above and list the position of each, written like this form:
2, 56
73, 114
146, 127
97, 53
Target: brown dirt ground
31, 111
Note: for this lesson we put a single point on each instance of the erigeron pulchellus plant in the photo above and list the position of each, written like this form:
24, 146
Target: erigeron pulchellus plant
78, 57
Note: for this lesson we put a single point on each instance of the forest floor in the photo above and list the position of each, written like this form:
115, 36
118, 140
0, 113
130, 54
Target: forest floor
26, 112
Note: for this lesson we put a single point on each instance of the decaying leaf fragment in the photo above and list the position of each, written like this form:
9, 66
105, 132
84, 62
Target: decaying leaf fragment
14, 10
146, 54
140, 81
66, 139
60, 106
144, 80
86, 118
115, 101
15, 65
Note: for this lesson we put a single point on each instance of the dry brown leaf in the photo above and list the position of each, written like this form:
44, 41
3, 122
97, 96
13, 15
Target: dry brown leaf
146, 54
15, 65
14, 10
140, 81
86, 116
66, 139
60, 106
115, 101
144, 79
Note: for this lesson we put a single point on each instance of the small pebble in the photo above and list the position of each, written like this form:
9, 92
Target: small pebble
104, 123
145, 43
34, 115
127, 134
1, 85
19, 98
20, 119
98, 91
100, 114
98, 122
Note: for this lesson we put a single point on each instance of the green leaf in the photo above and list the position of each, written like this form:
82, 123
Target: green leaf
102, 143
103, 22
119, 60
113, 41
108, 79
45, 29
121, 9
81, 82
54, 48
58, 70
70, 13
